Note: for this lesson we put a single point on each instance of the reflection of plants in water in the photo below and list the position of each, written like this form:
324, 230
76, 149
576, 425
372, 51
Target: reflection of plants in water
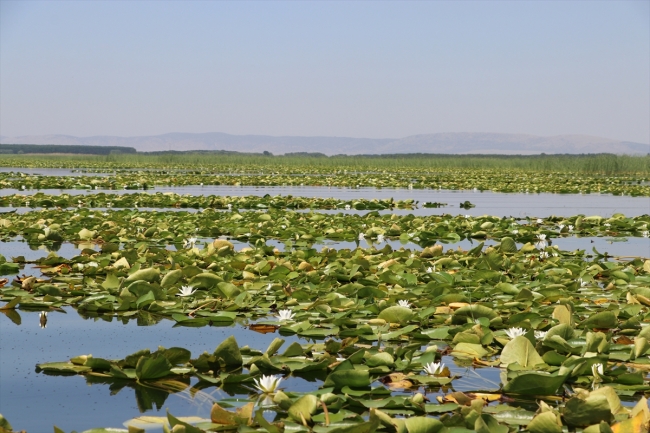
153, 393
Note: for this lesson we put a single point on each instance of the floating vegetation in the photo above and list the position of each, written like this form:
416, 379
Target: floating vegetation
447, 179
302, 228
385, 333
173, 200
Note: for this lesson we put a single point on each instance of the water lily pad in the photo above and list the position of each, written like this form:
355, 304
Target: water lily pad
396, 314
519, 350
533, 383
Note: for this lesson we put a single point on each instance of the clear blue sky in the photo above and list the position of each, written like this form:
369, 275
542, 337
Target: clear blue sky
363, 69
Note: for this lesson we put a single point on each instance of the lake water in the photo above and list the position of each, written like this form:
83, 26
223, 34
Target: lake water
35, 402
487, 203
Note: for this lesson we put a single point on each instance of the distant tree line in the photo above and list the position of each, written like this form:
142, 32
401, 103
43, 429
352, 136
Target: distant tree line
64, 148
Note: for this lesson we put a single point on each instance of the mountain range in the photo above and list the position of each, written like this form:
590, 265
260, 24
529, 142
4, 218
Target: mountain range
451, 142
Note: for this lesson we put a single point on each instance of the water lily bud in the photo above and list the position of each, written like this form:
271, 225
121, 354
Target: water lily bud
418, 398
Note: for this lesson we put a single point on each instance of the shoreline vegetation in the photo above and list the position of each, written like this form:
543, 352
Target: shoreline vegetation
68, 156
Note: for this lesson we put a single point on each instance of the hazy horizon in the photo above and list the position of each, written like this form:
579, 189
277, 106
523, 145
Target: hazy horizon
325, 69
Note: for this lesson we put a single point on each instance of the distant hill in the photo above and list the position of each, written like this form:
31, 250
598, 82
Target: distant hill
452, 142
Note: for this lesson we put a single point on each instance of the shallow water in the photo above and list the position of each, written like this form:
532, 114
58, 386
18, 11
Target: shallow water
69, 402
490, 203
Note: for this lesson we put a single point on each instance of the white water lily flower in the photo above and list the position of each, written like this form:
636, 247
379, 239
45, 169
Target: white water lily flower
229, 206
561, 226
347, 207
540, 335
380, 238
570, 228
608, 225
429, 270
539, 221
285, 315
597, 370
190, 243
541, 241
185, 291
267, 384
645, 234
433, 368
361, 236
515, 332
404, 303
543, 255
514, 232
467, 216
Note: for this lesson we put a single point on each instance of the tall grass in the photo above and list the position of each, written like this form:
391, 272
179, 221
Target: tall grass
605, 164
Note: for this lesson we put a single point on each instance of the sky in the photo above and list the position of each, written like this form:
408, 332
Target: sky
358, 69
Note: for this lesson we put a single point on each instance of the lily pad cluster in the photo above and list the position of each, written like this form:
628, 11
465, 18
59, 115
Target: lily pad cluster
451, 179
173, 200
357, 389
175, 227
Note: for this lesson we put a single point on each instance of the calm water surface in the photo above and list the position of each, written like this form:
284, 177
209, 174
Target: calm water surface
490, 203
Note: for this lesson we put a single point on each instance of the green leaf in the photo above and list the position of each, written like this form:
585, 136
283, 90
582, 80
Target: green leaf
62, 367
275, 346
469, 350
475, 312
9, 268
486, 423
171, 278
228, 352
351, 378
421, 424
152, 368
380, 359
177, 355
149, 275
111, 282
4, 424
521, 351
508, 245
532, 383
602, 320
188, 428
229, 290
304, 408
580, 412
396, 314
545, 422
